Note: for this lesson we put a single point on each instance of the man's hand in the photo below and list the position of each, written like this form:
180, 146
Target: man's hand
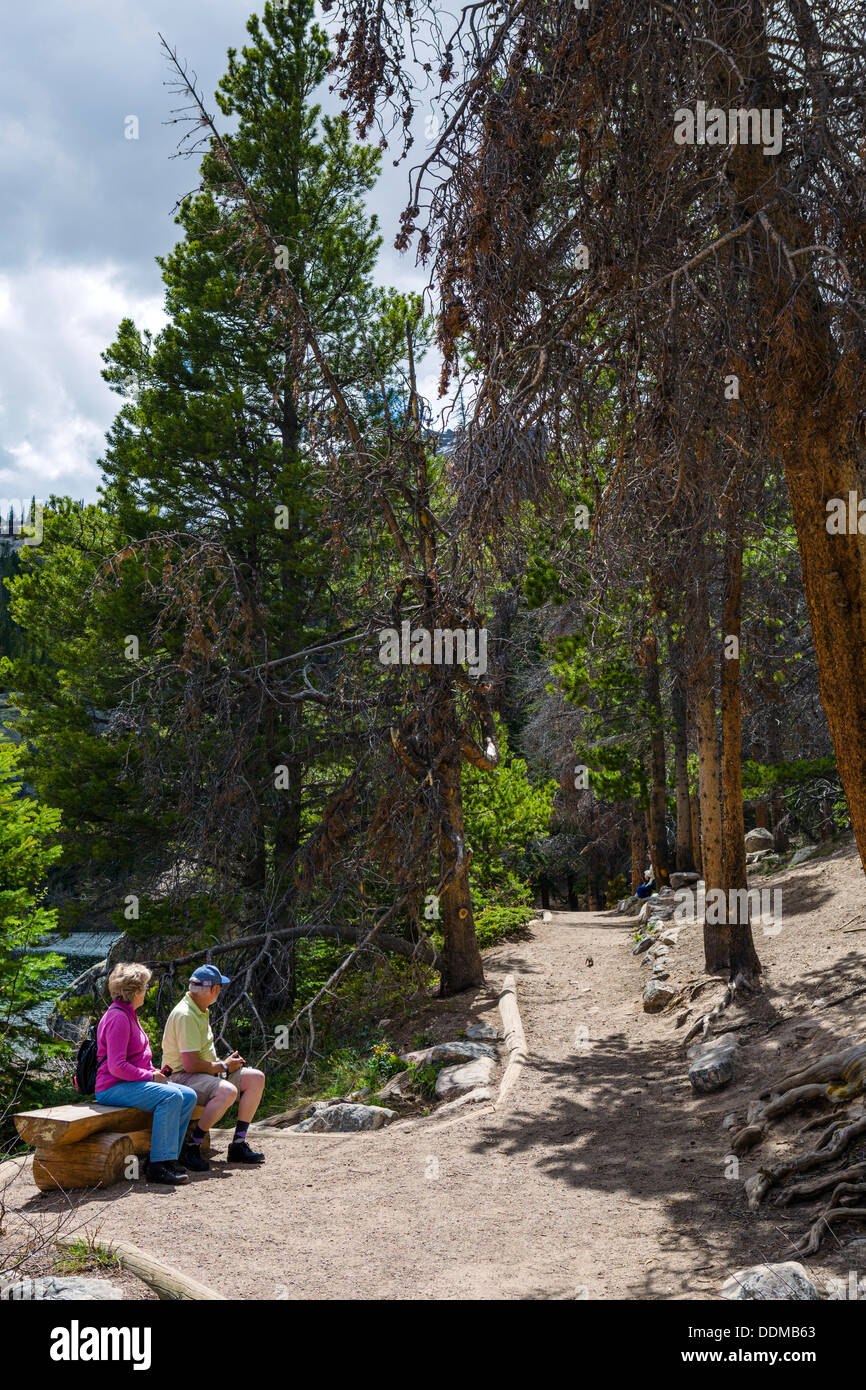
159, 1076
234, 1062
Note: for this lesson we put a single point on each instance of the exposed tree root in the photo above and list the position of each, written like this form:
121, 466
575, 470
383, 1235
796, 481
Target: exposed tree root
759, 1185
838, 1206
833, 1078
813, 1187
739, 985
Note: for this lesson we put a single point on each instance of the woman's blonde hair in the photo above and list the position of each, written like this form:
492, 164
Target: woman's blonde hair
125, 981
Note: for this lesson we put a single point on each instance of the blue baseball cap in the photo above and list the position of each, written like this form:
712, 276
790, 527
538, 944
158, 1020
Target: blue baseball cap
208, 975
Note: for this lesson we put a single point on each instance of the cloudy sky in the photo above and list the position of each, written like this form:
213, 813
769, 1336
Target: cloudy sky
86, 210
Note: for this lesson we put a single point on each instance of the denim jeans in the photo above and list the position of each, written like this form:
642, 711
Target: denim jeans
171, 1105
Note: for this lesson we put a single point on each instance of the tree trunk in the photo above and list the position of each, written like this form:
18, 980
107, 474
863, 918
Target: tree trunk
737, 944
685, 856
813, 418
657, 815
694, 808
638, 845
461, 959
571, 892
709, 770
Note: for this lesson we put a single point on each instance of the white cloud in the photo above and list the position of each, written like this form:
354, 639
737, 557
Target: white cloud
54, 405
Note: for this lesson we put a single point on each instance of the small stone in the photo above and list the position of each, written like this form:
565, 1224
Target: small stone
397, 1086
458, 1051
478, 1032
471, 1097
803, 854
759, 838
730, 1122
788, 1280
465, 1077
656, 995
343, 1118
642, 945
60, 1290
682, 880
669, 936
713, 1064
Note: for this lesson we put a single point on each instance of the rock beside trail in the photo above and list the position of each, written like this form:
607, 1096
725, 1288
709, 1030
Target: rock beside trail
712, 1064
343, 1118
65, 1289
780, 1281
479, 1093
759, 838
449, 1052
642, 945
683, 880
670, 936
477, 1032
656, 994
397, 1087
803, 854
465, 1077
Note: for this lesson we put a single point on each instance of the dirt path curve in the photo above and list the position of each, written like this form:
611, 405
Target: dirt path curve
598, 1180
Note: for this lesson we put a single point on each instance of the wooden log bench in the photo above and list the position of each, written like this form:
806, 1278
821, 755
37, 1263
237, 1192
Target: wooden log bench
86, 1145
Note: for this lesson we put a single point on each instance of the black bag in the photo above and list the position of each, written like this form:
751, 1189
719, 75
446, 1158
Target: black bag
86, 1065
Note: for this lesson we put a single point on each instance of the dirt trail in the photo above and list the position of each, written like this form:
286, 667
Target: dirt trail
579, 1189
605, 1176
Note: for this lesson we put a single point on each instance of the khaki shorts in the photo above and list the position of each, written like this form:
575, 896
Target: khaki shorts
203, 1083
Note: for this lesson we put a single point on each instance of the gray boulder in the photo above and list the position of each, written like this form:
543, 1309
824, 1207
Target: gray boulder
803, 854
344, 1118
788, 1280
59, 1290
470, 1098
712, 1065
759, 838
642, 945
449, 1052
683, 880
464, 1078
477, 1032
397, 1087
657, 994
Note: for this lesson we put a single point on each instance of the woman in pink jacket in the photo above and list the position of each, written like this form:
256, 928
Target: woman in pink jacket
125, 1074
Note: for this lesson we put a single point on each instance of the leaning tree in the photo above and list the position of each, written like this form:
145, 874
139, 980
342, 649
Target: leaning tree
575, 231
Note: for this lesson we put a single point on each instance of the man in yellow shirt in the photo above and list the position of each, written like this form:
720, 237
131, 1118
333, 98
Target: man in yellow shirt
188, 1049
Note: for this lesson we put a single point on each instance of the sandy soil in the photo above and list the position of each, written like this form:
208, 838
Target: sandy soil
605, 1177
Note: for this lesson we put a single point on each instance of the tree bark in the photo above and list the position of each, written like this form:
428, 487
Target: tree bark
685, 855
709, 769
638, 844
737, 944
461, 966
657, 811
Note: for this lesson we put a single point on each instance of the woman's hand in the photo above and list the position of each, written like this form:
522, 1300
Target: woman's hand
159, 1076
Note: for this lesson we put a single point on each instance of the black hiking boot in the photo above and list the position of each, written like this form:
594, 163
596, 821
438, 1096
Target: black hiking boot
192, 1158
240, 1152
164, 1173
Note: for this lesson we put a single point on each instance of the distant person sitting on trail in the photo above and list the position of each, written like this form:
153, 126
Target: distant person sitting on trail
125, 1074
644, 889
188, 1048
